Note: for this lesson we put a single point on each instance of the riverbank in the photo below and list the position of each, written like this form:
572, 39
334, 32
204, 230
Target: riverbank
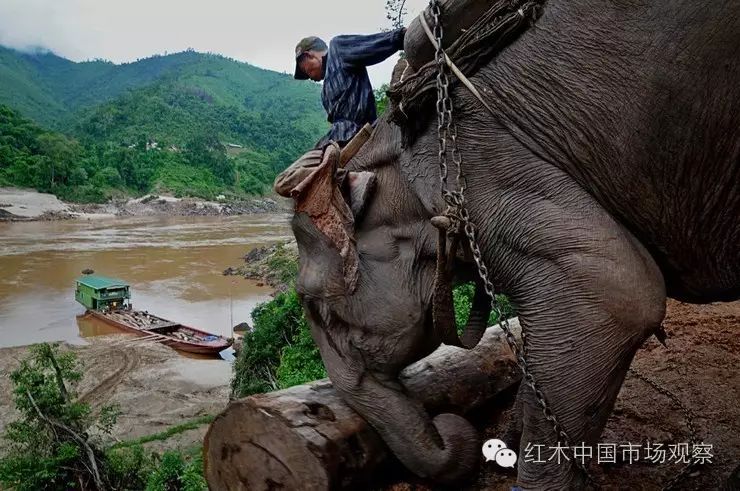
154, 387
275, 265
175, 266
18, 204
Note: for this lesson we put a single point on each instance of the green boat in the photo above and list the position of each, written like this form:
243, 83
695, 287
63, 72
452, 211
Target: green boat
102, 293
109, 300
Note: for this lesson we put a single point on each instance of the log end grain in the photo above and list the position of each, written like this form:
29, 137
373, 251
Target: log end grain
301, 438
308, 438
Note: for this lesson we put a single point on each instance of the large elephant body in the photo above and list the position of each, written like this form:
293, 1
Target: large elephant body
608, 178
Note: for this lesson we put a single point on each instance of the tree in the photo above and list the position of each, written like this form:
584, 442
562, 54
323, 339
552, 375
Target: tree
381, 98
50, 447
63, 155
396, 12
276, 323
108, 176
206, 150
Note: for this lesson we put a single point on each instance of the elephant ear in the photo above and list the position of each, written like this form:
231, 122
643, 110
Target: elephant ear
360, 187
321, 199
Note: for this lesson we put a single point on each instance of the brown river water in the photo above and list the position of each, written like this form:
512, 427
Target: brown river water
173, 264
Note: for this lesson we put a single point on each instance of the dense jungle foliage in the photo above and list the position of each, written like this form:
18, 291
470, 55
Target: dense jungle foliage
187, 123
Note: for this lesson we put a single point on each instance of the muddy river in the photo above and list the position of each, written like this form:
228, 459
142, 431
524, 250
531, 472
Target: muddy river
173, 265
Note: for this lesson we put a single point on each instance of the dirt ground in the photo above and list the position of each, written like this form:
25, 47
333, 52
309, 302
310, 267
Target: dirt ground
154, 387
700, 366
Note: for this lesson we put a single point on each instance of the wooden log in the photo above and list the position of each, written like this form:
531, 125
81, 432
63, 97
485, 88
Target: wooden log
307, 438
456, 16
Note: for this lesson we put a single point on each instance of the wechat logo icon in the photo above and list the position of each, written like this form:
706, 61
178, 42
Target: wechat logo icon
497, 451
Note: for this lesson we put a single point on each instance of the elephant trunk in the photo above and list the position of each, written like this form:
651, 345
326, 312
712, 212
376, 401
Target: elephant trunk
443, 309
477, 323
445, 448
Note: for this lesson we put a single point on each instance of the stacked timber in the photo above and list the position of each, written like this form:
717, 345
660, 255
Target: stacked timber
134, 318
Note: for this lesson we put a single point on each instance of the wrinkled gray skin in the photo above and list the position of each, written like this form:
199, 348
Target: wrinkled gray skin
607, 180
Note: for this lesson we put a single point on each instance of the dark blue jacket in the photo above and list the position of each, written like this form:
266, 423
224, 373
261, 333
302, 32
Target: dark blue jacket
347, 95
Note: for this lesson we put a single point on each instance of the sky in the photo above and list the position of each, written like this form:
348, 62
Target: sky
263, 33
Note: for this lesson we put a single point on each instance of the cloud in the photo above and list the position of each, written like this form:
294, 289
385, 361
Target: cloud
263, 33
38, 23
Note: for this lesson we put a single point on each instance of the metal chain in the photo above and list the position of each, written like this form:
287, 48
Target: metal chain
457, 211
688, 416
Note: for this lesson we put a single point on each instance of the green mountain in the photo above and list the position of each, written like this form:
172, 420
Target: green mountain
188, 103
253, 107
46, 87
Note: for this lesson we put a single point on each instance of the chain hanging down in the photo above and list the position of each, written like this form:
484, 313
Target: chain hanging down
688, 417
458, 213
456, 219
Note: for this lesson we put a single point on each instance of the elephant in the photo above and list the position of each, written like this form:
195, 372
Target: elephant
605, 179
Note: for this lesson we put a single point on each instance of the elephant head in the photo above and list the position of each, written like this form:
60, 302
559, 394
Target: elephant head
366, 281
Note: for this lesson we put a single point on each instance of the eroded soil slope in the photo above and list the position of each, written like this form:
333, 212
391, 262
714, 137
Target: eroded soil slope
701, 367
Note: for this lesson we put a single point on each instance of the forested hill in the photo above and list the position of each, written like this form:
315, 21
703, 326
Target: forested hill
50, 89
171, 104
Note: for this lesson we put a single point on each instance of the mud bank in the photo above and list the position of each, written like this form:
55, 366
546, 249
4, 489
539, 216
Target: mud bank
28, 205
154, 386
154, 205
25, 204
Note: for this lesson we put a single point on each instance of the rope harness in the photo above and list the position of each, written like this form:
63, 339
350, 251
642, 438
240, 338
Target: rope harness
455, 222
492, 31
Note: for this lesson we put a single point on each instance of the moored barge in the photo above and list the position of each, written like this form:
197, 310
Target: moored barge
109, 300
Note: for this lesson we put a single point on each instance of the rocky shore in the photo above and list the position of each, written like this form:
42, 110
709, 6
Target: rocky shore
275, 265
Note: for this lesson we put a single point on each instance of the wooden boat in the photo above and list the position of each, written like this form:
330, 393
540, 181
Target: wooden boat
108, 299
163, 331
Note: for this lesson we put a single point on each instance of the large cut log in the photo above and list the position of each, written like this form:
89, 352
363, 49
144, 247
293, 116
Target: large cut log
456, 16
307, 438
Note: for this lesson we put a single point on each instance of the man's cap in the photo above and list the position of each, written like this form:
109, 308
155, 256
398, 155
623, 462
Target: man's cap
311, 43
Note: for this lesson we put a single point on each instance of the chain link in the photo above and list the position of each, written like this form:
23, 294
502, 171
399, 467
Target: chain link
457, 211
689, 418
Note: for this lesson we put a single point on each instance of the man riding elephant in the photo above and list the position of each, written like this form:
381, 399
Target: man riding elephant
602, 159
347, 94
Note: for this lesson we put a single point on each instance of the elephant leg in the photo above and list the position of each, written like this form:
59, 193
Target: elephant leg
584, 319
444, 448
583, 325
587, 293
